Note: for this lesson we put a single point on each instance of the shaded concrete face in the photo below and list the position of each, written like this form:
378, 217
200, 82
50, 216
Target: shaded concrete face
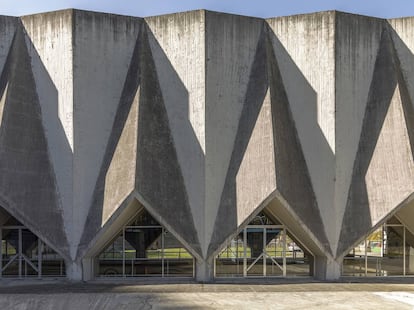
205, 119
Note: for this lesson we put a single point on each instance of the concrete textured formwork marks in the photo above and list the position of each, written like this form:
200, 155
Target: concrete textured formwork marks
141, 160
292, 176
28, 188
116, 180
7, 30
159, 180
402, 31
231, 44
304, 48
177, 44
204, 119
356, 47
49, 37
103, 45
382, 176
402, 35
250, 178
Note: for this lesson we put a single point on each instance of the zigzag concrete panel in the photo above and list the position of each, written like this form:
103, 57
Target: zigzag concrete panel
205, 120
253, 147
178, 46
384, 157
304, 46
102, 49
292, 176
7, 31
159, 178
27, 174
117, 176
357, 42
231, 44
50, 48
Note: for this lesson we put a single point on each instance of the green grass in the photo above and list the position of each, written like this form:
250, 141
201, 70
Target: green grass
233, 252
172, 253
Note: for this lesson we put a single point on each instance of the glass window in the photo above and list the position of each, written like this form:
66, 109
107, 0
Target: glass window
145, 248
384, 252
264, 248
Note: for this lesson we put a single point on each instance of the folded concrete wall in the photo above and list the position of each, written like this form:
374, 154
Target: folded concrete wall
205, 119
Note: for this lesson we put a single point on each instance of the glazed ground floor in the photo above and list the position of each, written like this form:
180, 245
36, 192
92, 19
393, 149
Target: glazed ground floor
264, 249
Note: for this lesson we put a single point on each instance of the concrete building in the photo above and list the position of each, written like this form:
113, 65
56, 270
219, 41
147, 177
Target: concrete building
204, 144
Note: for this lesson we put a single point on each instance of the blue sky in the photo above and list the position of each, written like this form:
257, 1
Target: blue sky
259, 8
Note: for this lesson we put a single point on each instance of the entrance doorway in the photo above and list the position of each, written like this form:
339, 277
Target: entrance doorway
264, 248
267, 245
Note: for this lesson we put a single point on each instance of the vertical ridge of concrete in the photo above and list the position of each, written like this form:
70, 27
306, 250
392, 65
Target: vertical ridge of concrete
304, 46
402, 30
231, 43
49, 37
129, 98
293, 182
253, 143
103, 45
8, 27
178, 46
384, 167
159, 178
357, 40
27, 175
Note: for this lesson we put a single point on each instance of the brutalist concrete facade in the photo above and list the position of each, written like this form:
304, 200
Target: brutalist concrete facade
205, 119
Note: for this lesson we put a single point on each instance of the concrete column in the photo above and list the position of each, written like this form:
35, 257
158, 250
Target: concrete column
74, 271
410, 264
326, 268
88, 269
205, 270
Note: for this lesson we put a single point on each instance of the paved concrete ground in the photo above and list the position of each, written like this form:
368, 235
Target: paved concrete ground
175, 295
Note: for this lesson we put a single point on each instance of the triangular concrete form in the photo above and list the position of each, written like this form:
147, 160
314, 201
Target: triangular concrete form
384, 151
125, 125
27, 174
104, 60
304, 46
159, 178
179, 58
8, 26
231, 43
156, 175
249, 179
266, 110
292, 176
355, 58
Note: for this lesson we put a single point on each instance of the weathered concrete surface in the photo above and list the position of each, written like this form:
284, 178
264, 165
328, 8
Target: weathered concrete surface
27, 173
304, 46
356, 45
7, 30
177, 43
231, 45
252, 147
49, 40
205, 119
384, 167
102, 49
157, 181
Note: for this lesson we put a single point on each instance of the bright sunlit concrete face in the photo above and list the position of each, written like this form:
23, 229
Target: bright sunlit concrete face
205, 119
